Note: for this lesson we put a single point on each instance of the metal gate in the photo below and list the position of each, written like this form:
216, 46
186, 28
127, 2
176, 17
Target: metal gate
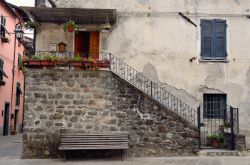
216, 121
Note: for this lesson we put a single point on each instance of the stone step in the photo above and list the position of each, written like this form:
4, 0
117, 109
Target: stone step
220, 152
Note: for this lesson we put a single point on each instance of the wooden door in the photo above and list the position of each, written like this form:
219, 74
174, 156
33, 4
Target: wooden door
79, 42
94, 45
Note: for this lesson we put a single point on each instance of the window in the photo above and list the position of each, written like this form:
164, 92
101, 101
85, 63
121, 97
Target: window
18, 93
2, 73
213, 39
214, 106
20, 62
2, 27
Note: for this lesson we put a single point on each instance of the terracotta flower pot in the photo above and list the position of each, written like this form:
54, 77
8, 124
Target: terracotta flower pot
34, 62
47, 63
76, 64
215, 143
70, 29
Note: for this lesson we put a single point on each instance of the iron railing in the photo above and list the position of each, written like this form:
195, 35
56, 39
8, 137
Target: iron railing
152, 89
66, 54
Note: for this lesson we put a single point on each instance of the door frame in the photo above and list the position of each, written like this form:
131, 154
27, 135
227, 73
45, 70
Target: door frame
74, 35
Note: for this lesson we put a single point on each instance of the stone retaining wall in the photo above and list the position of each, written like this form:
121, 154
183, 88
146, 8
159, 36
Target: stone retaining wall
59, 101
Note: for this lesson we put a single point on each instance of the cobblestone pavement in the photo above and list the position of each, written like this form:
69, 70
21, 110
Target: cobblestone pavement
11, 146
137, 161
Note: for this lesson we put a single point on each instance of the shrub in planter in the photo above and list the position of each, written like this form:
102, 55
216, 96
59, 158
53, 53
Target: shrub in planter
49, 60
30, 25
70, 26
216, 140
76, 61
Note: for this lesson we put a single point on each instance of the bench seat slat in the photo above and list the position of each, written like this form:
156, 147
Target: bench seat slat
93, 141
91, 147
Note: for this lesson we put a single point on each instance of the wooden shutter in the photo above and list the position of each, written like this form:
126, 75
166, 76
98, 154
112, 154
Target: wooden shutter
1, 25
94, 45
1, 70
219, 28
206, 39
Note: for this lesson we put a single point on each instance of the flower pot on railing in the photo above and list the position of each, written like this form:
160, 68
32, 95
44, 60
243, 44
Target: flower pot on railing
34, 62
47, 63
104, 64
76, 64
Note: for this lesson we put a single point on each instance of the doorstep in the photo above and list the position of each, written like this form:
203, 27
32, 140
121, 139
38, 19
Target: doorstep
221, 152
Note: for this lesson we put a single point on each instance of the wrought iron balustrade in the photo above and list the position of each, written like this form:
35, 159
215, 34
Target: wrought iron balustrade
151, 88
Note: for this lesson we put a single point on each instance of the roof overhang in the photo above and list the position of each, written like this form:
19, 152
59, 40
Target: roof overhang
79, 15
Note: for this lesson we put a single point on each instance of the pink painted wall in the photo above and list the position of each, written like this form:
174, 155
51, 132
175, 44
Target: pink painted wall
7, 55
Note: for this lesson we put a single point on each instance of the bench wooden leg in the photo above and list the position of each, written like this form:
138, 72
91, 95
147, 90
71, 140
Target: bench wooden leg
65, 156
122, 155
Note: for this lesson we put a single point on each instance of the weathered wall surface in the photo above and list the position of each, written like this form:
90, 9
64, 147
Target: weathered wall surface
151, 32
59, 101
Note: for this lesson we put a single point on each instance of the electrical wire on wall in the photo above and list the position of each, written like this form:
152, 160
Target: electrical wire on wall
164, 14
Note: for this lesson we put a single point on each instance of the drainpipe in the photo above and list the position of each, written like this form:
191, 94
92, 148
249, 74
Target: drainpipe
13, 74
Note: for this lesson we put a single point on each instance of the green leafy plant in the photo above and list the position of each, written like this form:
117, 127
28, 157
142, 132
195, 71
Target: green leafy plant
105, 26
218, 137
30, 25
50, 58
77, 58
90, 60
36, 57
227, 125
70, 26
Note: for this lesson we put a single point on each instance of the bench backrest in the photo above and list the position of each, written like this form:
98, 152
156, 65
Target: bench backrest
93, 141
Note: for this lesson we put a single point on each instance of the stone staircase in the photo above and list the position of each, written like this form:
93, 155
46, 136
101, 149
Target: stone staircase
152, 89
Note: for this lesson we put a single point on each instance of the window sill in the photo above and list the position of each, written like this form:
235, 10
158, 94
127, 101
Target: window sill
221, 61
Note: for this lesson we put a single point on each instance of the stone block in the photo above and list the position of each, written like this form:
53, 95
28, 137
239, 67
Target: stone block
56, 116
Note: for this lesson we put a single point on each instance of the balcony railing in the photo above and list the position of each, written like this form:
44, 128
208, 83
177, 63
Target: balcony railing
81, 60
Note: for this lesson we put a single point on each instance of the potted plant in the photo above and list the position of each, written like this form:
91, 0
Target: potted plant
216, 140
90, 63
35, 60
105, 27
76, 61
62, 61
48, 60
5, 40
104, 63
30, 25
70, 26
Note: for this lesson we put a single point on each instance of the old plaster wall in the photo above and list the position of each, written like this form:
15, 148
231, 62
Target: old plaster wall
63, 101
151, 32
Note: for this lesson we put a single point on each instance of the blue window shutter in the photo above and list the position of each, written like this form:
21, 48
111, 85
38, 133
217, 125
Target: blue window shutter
219, 39
206, 39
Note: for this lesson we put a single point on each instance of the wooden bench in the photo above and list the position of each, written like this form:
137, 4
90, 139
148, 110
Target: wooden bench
70, 142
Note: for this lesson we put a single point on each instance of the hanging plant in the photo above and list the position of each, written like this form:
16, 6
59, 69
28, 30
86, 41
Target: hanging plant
105, 27
70, 26
30, 25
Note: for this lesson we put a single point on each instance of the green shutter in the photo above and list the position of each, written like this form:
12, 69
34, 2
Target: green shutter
1, 70
18, 93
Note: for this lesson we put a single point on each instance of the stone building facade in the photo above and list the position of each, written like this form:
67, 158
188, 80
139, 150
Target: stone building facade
66, 101
168, 46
